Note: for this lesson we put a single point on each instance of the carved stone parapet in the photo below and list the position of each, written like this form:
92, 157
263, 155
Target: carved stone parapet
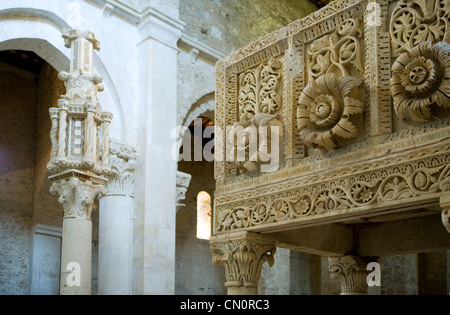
183, 180
243, 256
351, 272
77, 192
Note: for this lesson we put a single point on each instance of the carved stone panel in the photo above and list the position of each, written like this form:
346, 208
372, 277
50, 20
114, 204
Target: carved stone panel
361, 92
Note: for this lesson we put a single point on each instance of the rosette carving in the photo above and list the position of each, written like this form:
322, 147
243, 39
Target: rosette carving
417, 21
420, 79
326, 107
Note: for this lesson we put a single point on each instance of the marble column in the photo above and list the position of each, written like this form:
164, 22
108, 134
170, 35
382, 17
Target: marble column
243, 256
77, 191
116, 224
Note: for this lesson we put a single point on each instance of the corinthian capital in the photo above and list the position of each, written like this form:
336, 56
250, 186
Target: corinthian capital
77, 192
243, 258
352, 273
123, 162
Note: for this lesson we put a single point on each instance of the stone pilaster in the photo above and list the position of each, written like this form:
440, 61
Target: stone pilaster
243, 256
445, 214
77, 191
155, 180
351, 272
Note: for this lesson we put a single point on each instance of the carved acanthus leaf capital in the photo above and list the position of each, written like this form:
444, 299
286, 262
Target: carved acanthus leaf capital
243, 259
77, 193
123, 163
352, 273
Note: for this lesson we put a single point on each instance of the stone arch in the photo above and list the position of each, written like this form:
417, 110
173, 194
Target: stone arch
205, 104
39, 31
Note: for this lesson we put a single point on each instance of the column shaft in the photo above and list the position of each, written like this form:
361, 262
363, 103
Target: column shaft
115, 245
76, 257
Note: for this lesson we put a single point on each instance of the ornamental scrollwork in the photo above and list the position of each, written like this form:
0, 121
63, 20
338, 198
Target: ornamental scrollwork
326, 109
417, 21
421, 79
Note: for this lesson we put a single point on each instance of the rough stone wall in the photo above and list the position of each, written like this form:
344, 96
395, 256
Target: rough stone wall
17, 104
228, 25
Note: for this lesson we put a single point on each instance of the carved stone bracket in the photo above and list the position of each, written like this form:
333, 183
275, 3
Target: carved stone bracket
352, 273
77, 192
183, 180
243, 257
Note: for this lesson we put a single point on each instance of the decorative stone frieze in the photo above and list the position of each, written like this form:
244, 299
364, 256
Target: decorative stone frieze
351, 272
243, 257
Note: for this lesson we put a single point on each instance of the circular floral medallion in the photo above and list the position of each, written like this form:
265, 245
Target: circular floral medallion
420, 78
325, 109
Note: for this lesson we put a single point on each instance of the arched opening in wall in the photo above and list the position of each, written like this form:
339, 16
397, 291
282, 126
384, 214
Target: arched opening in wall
203, 215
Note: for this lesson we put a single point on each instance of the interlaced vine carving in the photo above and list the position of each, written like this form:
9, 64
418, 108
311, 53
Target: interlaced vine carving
258, 92
417, 21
